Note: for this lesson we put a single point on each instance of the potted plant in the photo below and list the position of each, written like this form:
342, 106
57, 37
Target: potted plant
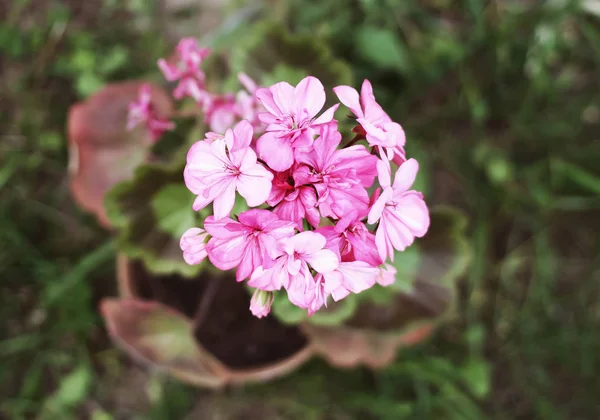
322, 207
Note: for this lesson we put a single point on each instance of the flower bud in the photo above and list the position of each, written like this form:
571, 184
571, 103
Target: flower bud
261, 302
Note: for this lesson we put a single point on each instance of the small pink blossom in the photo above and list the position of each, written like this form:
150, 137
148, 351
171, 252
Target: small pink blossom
248, 107
291, 202
216, 169
246, 244
351, 239
387, 275
193, 245
379, 128
402, 213
221, 113
142, 112
187, 70
339, 176
290, 120
295, 257
349, 277
261, 302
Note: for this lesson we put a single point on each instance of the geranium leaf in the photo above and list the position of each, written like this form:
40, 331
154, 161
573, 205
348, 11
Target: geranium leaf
144, 232
101, 151
161, 337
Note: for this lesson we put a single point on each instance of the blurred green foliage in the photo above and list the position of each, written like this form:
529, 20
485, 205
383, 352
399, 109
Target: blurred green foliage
501, 102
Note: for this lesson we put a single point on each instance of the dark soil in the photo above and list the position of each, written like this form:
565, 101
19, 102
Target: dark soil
224, 324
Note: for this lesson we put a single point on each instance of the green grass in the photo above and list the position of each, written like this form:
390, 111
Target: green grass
502, 101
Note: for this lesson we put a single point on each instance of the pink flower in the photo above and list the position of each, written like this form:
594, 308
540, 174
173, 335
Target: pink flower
221, 113
339, 176
248, 243
349, 277
351, 239
248, 107
291, 120
142, 112
291, 202
193, 245
387, 275
402, 213
216, 169
261, 302
378, 127
296, 255
187, 70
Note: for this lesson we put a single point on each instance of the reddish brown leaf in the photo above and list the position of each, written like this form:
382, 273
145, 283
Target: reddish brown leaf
101, 151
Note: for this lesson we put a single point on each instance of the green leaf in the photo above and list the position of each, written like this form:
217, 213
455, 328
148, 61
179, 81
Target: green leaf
407, 265
73, 389
382, 47
144, 232
172, 206
477, 375
334, 314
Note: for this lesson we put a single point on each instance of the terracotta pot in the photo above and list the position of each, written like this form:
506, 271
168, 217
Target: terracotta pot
375, 333
216, 347
373, 336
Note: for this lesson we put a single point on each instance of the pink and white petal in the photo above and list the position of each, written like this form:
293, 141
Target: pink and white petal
309, 96
248, 263
268, 118
272, 279
384, 173
224, 202
265, 96
395, 132
242, 133
243, 159
405, 175
247, 82
304, 140
332, 280
226, 254
372, 110
413, 212
326, 117
307, 242
283, 95
377, 208
222, 228
384, 245
339, 293
275, 151
170, 71
323, 261
387, 275
255, 185
358, 275
397, 232
349, 97
202, 201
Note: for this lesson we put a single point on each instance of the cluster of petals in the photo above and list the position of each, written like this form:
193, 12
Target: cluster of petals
314, 224
186, 69
219, 111
142, 113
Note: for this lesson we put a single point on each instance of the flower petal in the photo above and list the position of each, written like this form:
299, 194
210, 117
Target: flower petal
309, 96
405, 175
349, 97
276, 151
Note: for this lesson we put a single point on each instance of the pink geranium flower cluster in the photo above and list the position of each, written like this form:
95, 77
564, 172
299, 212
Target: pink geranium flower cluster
323, 215
219, 111
318, 225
